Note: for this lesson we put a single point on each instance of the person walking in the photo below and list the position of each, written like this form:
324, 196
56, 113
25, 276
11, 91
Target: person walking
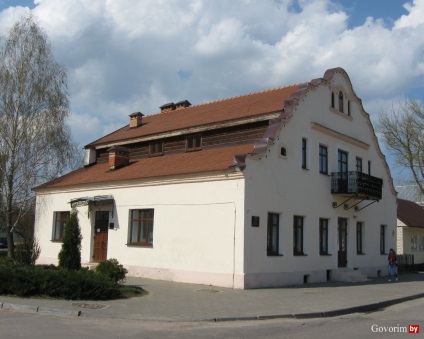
392, 268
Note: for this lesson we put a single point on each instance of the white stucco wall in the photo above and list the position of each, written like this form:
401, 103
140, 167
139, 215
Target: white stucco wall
411, 241
279, 185
198, 228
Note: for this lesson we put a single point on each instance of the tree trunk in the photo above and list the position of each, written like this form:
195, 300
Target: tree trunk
10, 243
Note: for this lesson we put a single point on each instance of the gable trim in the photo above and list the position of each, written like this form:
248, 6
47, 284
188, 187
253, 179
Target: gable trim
320, 128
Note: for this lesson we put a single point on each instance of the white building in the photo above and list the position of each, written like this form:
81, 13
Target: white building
410, 230
285, 186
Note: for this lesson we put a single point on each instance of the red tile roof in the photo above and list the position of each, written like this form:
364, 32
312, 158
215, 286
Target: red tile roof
218, 159
410, 213
249, 105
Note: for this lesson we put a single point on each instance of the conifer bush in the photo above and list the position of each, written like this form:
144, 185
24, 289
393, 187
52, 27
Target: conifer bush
70, 254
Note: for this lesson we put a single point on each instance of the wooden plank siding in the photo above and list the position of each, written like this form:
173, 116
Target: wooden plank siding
210, 139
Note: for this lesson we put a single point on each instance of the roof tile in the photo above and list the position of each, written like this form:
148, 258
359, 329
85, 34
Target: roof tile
239, 107
217, 159
410, 213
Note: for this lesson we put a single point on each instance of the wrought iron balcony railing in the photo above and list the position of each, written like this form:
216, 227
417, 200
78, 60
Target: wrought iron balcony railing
364, 185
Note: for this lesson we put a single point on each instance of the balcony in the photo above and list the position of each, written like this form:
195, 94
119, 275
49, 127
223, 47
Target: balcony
362, 185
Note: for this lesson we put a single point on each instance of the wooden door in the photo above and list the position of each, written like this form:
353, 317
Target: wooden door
342, 235
101, 227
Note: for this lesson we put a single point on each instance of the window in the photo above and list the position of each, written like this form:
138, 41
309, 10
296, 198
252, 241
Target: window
156, 148
343, 171
343, 164
348, 107
304, 150
323, 159
273, 234
60, 220
255, 221
323, 236
332, 100
298, 235
359, 165
341, 101
141, 227
359, 238
382, 239
369, 167
194, 142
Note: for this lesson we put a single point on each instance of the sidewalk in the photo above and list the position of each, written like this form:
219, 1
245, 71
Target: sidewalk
170, 301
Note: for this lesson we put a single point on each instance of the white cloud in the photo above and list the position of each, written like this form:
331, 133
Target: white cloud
130, 55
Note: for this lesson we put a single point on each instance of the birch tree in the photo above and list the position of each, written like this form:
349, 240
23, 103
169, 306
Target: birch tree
35, 143
403, 132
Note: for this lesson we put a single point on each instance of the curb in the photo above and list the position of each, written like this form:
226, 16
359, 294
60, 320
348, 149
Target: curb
328, 314
37, 309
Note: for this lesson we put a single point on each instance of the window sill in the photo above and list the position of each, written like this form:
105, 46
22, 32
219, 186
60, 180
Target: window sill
274, 255
140, 245
325, 173
326, 254
57, 241
361, 253
341, 114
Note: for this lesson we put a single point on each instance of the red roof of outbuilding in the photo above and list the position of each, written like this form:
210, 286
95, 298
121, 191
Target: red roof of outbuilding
410, 213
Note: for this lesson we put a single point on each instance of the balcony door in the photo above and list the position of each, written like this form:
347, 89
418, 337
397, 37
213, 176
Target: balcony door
343, 171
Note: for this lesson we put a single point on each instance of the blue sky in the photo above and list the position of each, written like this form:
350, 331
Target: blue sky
130, 55
358, 11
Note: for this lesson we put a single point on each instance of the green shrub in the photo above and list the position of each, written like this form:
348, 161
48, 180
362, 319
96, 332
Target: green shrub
70, 254
112, 269
7, 261
27, 281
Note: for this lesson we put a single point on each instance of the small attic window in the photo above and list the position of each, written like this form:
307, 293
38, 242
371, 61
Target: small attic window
156, 148
194, 142
341, 101
332, 99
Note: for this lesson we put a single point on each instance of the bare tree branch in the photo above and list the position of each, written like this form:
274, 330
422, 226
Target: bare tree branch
403, 132
35, 142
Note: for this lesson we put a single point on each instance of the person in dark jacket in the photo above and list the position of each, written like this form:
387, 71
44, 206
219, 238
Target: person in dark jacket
392, 268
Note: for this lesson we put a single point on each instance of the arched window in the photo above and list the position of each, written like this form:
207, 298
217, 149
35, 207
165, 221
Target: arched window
341, 101
332, 99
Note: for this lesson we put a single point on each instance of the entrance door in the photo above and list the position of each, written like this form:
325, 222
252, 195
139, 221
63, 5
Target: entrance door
342, 252
101, 227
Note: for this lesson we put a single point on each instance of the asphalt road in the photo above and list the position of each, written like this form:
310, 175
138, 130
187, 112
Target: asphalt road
392, 322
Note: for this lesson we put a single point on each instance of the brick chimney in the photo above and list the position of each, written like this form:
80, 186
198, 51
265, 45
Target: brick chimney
135, 119
167, 107
118, 157
182, 104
